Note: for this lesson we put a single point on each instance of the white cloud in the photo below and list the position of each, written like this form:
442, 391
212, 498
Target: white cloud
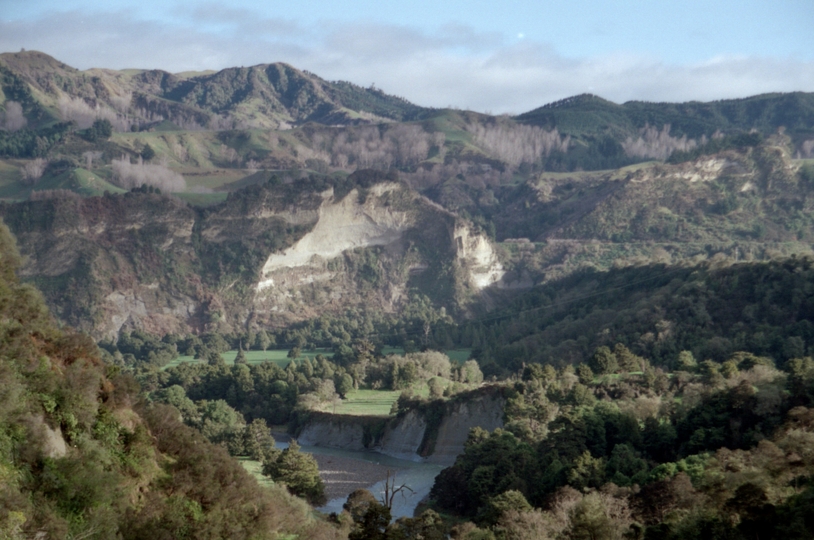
453, 65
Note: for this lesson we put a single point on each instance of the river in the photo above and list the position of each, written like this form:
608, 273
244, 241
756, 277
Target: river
418, 476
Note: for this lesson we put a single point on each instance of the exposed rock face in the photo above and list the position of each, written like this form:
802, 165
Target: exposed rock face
268, 256
333, 433
341, 226
485, 412
403, 437
477, 254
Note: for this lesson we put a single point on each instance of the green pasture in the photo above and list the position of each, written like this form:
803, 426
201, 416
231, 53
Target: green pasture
365, 402
255, 468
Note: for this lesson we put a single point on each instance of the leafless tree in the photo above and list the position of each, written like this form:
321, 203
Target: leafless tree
391, 490
45, 194
516, 143
653, 143
13, 119
79, 111
33, 170
129, 175
122, 103
89, 156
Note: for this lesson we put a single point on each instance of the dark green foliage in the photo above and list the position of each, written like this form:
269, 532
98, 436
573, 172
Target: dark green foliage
497, 505
143, 347
604, 361
370, 517
147, 153
373, 100
101, 130
587, 114
298, 471
491, 464
427, 526
28, 143
712, 313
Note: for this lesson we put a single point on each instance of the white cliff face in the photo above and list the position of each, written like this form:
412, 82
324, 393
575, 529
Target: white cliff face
334, 434
403, 439
341, 226
702, 170
403, 436
475, 251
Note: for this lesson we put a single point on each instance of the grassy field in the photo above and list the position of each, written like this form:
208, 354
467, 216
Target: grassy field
367, 402
202, 199
254, 468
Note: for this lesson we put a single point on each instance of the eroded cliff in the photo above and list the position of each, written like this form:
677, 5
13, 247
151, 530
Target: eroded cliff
436, 434
268, 256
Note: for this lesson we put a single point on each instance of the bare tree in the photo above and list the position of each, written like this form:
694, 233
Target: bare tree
516, 143
90, 156
46, 194
391, 490
129, 175
33, 170
122, 103
653, 143
13, 119
79, 111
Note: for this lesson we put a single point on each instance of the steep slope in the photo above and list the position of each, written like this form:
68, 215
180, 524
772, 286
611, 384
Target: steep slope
269, 255
80, 459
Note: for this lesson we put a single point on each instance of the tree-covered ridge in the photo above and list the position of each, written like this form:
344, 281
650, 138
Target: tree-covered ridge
620, 449
712, 310
589, 114
80, 457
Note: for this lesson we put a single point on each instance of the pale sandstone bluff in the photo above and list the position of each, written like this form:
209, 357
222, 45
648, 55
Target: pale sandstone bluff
340, 226
403, 437
477, 253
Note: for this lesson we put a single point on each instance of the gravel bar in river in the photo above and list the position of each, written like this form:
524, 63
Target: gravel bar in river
343, 475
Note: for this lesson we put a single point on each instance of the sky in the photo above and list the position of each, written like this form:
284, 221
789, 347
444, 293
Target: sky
495, 57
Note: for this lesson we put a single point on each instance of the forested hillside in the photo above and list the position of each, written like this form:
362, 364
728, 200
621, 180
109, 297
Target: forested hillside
83, 456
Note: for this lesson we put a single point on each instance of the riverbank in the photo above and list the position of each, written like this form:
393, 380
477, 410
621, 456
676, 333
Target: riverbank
343, 475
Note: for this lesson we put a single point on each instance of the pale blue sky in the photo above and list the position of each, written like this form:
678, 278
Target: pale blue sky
499, 57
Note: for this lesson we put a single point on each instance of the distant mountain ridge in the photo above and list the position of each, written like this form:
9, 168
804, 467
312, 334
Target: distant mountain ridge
278, 94
262, 96
765, 112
